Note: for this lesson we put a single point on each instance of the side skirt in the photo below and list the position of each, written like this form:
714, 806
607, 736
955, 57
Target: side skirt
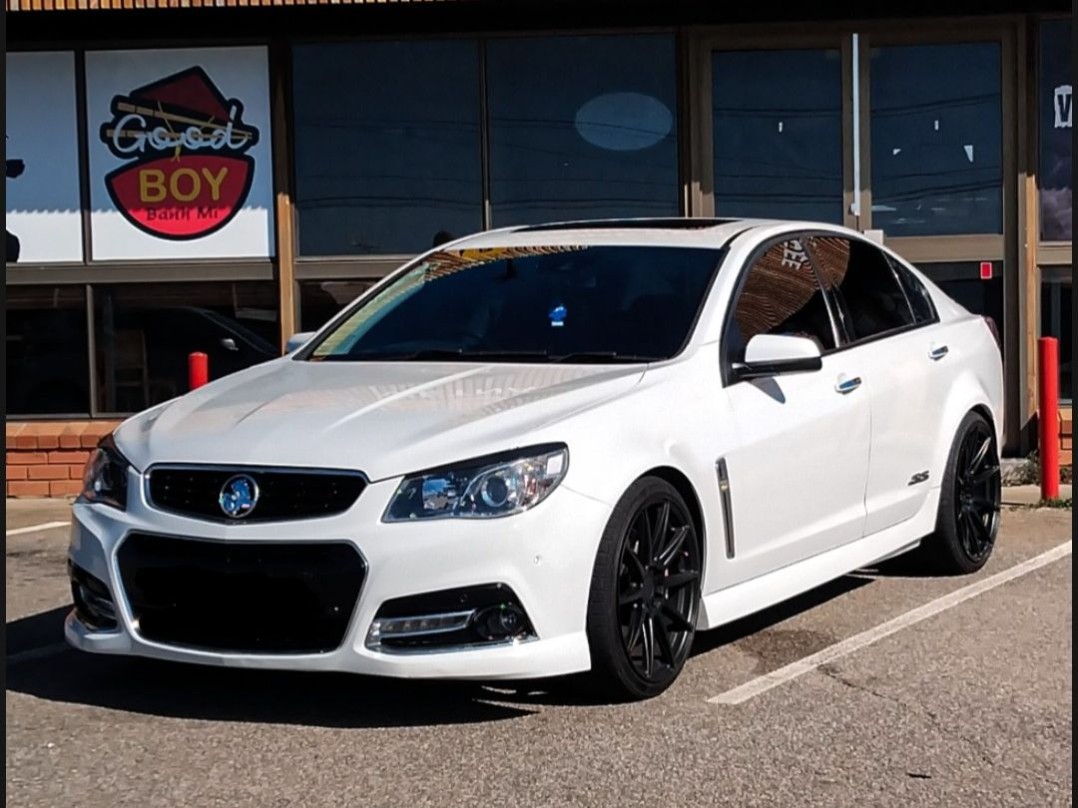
748, 597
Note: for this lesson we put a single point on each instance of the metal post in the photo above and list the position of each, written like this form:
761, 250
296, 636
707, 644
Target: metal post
1048, 415
198, 370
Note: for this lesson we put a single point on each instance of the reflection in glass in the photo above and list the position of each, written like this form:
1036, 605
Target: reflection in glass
1056, 320
869, 296
1056, 130
582, 127
936, 134
777, 134
321, 300
781, 295
540, 304
387, 145
144, 333
47, 363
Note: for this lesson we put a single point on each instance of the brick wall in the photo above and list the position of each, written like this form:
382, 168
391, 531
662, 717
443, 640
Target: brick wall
1066, 435
46, 458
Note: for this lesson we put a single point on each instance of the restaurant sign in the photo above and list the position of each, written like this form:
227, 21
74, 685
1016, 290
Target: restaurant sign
186, 171
179, 148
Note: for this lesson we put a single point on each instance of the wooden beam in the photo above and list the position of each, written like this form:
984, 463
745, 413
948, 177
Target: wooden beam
280, 75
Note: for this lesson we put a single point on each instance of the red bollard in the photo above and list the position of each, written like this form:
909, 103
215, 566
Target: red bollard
198, 370
1048, 415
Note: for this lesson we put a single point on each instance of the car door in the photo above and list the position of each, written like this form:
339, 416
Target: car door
795, 485
889, 325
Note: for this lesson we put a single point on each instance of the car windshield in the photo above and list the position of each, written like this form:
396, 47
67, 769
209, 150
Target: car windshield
601, 304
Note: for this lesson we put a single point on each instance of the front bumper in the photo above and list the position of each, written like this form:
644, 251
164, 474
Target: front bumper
545, 556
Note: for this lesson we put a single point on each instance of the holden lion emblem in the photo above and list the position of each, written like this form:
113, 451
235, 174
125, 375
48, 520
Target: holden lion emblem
238, 496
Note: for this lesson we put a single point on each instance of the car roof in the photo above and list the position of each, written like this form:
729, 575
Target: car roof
659, 232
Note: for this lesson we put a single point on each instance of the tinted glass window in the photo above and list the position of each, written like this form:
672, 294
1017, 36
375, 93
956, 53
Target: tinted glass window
144, 333
319, 301
780, 295
937, 126
582, 127
1056, 129
387, 145
924, 310
532, 304
864, 284
1056, 320
47, 363
777, 134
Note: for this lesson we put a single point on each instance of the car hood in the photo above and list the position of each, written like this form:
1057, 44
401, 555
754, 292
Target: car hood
385, 419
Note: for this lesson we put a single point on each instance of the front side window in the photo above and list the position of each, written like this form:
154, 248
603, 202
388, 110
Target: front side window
780, 295
864, 285
530, 304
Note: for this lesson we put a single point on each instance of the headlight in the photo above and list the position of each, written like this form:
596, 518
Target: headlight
105, 478
499, 485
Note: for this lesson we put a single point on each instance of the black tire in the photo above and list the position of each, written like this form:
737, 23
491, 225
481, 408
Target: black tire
968, 518
645, 593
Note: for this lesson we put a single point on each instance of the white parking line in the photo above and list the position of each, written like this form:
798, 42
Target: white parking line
34, 528
762, 684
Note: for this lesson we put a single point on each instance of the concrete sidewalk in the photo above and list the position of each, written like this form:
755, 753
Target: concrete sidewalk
1029, 494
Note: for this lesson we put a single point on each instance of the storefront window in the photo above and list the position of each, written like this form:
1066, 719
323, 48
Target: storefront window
582, 127
777, 134
387, 145
44, 223
47, 363
1056, 320
1056, 128
963, 282
144, 332
937, 159
321, 300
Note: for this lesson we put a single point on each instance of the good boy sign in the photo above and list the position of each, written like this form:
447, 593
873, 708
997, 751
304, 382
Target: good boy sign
187, 171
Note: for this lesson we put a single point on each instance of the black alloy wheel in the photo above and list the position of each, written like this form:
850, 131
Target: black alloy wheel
645, 592
978, 492
970, 497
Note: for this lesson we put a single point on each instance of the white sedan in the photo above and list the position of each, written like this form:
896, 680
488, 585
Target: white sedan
550, 449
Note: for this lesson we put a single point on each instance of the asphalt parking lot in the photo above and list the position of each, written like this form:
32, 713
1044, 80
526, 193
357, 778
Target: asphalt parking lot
966, 702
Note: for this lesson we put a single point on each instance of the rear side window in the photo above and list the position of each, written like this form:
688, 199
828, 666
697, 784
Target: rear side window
779, 295
863, 284
924, 311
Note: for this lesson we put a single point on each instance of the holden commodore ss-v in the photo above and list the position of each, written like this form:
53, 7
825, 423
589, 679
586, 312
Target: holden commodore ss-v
551, 449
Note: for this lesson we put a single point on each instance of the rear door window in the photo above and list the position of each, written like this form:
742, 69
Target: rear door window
924, 311
863, 285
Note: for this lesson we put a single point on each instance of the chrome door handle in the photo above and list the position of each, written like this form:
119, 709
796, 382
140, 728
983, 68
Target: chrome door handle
845, 385
937, 352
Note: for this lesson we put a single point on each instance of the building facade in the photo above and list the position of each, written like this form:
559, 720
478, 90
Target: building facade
194, 176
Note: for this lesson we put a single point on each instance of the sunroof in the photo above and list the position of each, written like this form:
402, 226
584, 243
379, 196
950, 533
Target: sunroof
684, 223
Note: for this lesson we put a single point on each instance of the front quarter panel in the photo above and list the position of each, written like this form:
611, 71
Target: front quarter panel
678, 419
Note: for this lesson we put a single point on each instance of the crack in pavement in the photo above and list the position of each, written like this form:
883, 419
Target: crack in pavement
833, 673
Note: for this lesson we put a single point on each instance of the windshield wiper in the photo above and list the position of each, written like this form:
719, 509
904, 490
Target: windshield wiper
602, 358
462, 355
